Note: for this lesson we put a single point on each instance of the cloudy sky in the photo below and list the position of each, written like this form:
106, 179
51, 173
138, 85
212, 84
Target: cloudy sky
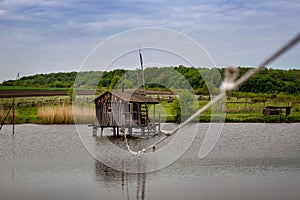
41, 36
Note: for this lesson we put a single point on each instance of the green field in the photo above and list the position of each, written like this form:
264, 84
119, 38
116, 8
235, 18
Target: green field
271, 87
242, 112
236, 110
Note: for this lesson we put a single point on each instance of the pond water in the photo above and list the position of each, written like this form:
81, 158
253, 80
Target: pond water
249, 161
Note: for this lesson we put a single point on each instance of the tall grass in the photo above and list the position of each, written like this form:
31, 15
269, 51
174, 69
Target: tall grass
65, 114
3, 113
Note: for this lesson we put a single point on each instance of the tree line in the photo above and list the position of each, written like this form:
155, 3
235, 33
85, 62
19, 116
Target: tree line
201, 80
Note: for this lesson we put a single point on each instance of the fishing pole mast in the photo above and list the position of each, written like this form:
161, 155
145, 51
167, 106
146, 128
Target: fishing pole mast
142, 68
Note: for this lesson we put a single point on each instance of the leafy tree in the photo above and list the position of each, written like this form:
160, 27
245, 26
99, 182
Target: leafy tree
268, 81
114, 81
185, 106
71, 93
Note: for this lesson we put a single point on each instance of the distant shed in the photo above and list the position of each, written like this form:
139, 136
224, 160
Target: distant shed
123, 110
277, 110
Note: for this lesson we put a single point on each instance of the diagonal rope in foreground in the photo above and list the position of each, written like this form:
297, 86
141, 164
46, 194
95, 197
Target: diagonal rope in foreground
227, 85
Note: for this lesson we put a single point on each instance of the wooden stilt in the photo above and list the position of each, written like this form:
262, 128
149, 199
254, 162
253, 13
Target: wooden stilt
154, 120
158, 122
101, 131
130, 130
154, 114
95, 131
143, 131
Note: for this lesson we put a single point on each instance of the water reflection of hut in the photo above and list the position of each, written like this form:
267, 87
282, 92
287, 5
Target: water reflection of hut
109, 176
124, 110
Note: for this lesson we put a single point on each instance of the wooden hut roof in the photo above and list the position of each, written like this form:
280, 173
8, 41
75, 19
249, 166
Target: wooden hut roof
132, 97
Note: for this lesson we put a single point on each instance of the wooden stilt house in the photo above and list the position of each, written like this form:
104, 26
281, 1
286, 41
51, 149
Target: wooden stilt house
124, 110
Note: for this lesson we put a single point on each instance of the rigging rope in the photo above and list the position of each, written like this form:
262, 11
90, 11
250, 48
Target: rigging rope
229, 84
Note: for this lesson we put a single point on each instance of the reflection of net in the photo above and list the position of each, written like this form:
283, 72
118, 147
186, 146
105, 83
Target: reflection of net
227, 85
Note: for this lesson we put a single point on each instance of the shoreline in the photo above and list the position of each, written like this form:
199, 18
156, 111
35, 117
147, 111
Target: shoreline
60, 110
172, 122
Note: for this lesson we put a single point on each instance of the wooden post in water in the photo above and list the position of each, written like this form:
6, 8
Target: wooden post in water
13, 107
13, 117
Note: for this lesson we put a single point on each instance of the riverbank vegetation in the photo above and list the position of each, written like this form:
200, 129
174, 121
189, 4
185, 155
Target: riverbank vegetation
47, 110
271, 87
238, 108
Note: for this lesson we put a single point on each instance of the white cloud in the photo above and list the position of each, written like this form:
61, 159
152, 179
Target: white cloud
238, 31
122, 22
3, 12
9, 3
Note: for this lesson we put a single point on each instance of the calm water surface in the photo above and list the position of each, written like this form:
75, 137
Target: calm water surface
250, 161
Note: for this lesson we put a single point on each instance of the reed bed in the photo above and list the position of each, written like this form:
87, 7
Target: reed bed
3, 113
65, 114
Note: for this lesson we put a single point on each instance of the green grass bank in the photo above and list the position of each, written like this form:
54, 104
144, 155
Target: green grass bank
58, 110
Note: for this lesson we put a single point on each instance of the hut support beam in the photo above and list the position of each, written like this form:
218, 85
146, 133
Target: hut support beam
101, 131
158, 122
130, 130
154, 113
95, 131
143, 131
